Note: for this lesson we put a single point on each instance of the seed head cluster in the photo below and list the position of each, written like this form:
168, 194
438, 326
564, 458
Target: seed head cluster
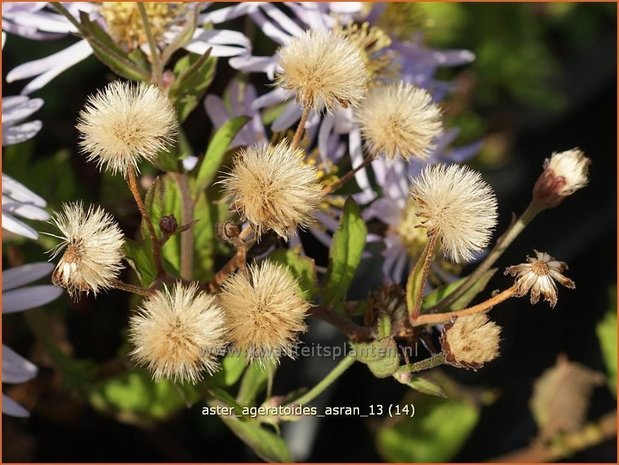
470, 341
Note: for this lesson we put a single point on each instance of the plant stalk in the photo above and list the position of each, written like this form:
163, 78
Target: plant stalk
154, 50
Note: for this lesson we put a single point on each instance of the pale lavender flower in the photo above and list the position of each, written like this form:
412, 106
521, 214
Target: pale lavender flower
41, 23
15, 110
16, 297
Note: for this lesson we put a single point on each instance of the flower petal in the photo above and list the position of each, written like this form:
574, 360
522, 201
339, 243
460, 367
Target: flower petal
28, 297
25, 274
12, 408
15, 368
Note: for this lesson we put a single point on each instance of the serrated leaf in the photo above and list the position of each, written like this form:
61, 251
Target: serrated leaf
436, 433
301, 266
434, 297
607, 335
135, 398
216, 151
345, 253
193, 76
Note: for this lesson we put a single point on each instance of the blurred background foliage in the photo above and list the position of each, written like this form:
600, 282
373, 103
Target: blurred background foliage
544, 79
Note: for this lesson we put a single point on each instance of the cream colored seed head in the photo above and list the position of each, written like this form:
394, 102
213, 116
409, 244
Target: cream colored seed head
273, 188
399, 120
324, 69
458, 207
125, 123
93, 249
471, 341
178, 334
572, 166
264, 310
538, 276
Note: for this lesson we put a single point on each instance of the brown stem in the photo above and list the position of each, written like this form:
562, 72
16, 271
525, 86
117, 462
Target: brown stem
566, 445
237, 261
133, 289
436, 318
353, 331
501, 245
347, 177
296, 140
132, 181
186, 268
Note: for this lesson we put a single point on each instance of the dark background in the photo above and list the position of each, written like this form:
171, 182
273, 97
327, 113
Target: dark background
573, 105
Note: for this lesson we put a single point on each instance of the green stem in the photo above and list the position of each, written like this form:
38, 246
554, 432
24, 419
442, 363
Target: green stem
154, 50
432, 362
501, 246
186, 270
339, 369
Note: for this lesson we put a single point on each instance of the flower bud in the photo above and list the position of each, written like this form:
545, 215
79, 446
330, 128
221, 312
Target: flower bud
168, 225
564, 173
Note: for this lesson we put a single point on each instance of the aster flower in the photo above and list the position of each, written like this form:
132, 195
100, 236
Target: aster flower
457, 206
16, 297
42, 23
399, 120
538, 276
92, 246
177, 334
126, 123
564, 173
273, 188
264, 310
470, 341
323, 69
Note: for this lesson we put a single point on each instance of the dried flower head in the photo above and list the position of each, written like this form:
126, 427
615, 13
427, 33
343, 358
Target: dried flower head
324, 69
273, 188
399, 120
264, 310
470, 341
178, 334
458, 206
93, 249
125, 123
539, 276
564, 173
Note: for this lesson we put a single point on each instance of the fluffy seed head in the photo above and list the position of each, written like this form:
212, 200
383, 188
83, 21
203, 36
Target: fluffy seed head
273, 188
399, 120
264, 310
93, 249
324, 69
470, 341
458, 206
178, 334
125, 123
538, 276
564, 173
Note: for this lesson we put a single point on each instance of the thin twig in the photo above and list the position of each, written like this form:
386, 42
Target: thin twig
296, 140
347, 177
436, 318
133, 289
351, 330
133, 187
237, 261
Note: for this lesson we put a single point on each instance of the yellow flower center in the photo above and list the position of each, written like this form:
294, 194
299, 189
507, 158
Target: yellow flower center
125, 24
401, 19
372, 42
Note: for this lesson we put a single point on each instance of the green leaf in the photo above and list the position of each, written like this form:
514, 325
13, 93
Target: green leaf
607, 335
254, 381
232, 367
345, 253
135, 398
301, 266
216, 151
416, 281
193, 76
380, 356
436, 433
110, 54
439, 294
140, 258
266, 444
421, 384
